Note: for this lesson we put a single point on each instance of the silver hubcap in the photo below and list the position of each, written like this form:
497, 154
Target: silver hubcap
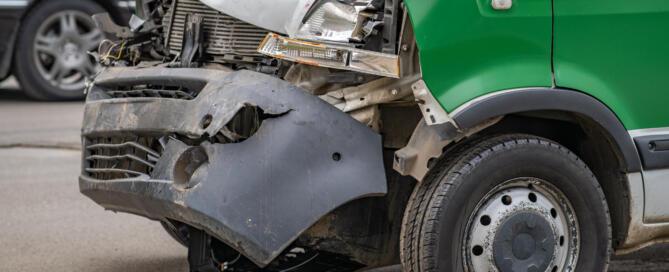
525, 224
60, 49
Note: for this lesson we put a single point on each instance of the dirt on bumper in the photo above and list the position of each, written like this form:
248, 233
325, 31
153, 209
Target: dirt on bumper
257, 195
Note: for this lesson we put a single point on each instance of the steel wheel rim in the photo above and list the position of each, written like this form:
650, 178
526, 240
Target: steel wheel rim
60, 49
487, 235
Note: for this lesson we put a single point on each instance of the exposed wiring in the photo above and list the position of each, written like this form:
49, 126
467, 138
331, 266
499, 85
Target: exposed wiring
108, 53
224, 265
103, 42
301, 264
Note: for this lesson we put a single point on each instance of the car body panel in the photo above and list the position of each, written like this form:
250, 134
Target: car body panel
468, 49
618, 55
616, 51
257, 195
11, 12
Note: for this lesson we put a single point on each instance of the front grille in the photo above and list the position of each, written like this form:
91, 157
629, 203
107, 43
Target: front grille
151, 90
223, 34
181, 88
120, 157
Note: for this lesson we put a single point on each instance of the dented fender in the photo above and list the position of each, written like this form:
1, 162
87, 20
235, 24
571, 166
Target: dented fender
257, 196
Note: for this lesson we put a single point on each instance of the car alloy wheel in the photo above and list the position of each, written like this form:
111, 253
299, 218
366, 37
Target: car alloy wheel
61, 49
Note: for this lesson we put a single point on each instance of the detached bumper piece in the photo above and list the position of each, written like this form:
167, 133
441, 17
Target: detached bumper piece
153, 147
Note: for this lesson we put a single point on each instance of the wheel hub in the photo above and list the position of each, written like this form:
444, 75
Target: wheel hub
70, 48
524, 224
72, 57
524, 241
60, 47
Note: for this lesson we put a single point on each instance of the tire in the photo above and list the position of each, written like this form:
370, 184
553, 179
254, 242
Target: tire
50, 61
506, 203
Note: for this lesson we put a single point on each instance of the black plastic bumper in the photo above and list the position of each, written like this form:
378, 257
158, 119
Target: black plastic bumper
257, 196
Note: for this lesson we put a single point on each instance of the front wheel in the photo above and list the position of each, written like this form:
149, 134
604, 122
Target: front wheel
507, 203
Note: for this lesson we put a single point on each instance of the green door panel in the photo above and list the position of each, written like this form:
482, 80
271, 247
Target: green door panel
617, 51
468, 49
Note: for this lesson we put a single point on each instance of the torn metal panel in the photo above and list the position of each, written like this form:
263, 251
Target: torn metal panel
258, 195
312, 79
427, 143
147, 114
432, 111
360, 101
192, 48
369, 116
376, 92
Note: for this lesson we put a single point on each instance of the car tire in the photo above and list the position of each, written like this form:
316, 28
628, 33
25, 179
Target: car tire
50, 61
458, 220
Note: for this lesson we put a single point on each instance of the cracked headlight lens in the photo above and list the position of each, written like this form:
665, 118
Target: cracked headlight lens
331, 56
336, 20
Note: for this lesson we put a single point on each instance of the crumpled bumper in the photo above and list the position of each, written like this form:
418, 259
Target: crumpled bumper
258, 195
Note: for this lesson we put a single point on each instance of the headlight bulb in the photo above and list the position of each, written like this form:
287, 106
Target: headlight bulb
334, 20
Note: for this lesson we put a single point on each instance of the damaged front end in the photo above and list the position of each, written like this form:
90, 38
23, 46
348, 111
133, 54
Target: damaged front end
258, 144
179, 156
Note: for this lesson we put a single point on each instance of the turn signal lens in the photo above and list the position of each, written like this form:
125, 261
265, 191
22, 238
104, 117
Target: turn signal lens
331, 56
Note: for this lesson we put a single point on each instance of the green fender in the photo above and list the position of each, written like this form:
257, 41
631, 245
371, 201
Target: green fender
468, 49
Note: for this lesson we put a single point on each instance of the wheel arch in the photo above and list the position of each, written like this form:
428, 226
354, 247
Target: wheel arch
572, 118
569, 101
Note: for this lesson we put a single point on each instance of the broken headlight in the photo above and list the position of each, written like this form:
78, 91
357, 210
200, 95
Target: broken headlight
331, 56
338, 21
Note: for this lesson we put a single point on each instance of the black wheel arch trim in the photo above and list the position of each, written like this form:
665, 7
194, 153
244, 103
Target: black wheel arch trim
534, 99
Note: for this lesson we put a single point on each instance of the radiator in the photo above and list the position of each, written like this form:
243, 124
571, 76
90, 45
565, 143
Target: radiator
224, 35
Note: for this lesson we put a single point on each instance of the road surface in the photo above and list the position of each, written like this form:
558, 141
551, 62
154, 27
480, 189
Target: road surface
46, 224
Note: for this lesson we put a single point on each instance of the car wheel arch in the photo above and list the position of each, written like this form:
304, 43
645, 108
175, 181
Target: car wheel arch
549, 109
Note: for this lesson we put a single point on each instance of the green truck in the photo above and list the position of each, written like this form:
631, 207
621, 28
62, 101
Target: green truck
349, 135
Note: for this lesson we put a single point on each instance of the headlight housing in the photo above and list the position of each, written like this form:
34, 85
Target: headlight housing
338, 21
331, 56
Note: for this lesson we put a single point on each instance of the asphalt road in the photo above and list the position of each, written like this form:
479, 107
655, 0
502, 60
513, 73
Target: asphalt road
26, 122
46, 225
